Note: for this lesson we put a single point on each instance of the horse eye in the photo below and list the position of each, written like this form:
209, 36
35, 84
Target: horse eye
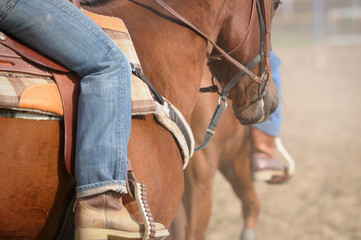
276, 4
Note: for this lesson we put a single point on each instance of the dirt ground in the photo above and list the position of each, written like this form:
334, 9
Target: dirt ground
321, 130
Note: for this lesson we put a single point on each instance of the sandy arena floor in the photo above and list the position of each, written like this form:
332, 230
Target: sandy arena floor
322, 131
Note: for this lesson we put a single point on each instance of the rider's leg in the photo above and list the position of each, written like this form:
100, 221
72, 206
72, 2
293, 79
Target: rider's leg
264, 165
61, 31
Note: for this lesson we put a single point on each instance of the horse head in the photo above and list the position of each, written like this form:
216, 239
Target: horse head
246, 38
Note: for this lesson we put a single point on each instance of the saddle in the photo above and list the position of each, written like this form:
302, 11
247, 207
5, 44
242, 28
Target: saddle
41, 85
31, 83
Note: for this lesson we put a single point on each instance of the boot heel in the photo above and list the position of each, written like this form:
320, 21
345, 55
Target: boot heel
104, 234
90, 234
162, 234
266, 175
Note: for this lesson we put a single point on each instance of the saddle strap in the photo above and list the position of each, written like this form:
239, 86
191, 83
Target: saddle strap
68, 88
138, 72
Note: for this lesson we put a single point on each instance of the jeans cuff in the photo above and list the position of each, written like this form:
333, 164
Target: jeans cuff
93, 189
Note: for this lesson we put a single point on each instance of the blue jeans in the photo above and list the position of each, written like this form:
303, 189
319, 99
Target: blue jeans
61, 31
272, 126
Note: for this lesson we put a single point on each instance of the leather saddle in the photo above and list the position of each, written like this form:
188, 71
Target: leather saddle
17, 58
60, 88
57, 88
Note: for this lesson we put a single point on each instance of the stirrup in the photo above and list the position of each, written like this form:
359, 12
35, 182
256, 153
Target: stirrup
138, 192
281, 149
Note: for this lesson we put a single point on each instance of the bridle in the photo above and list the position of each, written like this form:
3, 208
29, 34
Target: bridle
255, 61
264, 36
262, 58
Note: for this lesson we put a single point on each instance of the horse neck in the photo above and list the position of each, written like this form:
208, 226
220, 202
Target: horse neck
173, 57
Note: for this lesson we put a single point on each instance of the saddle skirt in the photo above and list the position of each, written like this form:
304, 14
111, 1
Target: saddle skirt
29, 84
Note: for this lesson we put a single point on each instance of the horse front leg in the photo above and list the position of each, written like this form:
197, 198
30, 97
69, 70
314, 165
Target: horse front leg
178, 228
238, 173
197, 197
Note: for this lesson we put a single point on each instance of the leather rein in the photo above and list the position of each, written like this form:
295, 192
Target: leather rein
244, 70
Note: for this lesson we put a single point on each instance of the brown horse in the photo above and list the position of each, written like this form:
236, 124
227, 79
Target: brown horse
35, 185
229, 152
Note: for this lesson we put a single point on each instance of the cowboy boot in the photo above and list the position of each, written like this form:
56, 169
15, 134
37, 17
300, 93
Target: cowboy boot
103, 216
264, 165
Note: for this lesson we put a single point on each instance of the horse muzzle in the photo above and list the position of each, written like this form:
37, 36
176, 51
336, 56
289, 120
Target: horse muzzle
257, 112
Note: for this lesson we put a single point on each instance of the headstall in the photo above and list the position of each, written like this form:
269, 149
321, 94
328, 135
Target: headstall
244, 70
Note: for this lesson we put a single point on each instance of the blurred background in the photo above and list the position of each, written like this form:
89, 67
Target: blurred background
319, 43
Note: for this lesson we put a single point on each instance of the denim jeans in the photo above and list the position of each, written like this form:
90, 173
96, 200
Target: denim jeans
272, 126
61, 31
